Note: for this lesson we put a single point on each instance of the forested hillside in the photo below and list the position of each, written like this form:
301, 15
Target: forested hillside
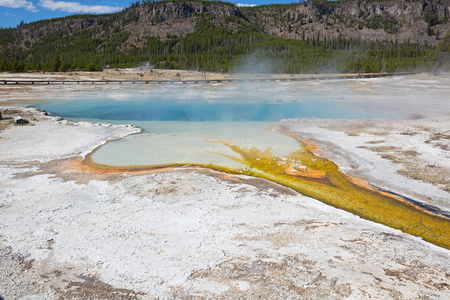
308, 37
417, 21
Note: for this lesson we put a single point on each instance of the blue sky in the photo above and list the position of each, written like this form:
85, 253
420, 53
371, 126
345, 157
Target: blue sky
12, 12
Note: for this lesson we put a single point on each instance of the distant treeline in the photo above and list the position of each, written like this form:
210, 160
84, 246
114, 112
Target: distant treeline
248, 50
245, 49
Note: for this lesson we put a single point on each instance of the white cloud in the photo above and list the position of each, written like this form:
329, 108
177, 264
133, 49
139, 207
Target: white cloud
245, 5
76, 7
28, 5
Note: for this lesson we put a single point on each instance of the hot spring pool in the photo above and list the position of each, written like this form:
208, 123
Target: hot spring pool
230, 128
184, 124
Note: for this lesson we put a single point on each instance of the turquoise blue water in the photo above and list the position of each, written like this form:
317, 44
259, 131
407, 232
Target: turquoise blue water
152, 109
176, 132
389, 97
183, 125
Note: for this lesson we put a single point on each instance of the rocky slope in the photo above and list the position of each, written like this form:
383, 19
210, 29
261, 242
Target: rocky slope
414, 21
160, 20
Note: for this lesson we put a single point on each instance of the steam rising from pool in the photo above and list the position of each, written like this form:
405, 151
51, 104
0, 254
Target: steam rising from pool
227, 127
180, 121
181, 125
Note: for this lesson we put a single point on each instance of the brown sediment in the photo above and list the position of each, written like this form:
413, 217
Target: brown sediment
315, 177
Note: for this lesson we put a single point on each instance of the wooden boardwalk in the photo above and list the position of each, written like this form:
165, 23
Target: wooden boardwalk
94, 81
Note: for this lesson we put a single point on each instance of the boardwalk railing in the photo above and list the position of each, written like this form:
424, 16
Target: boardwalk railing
193, 81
